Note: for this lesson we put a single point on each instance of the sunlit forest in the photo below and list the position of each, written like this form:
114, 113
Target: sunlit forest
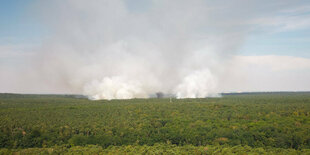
259, 123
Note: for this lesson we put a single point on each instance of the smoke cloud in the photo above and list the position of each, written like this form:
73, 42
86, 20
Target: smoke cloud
197, 85
114, 87
110, 50
121, 49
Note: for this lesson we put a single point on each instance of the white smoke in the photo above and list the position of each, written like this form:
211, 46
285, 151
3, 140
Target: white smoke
120, 49
107, 50
114, 88
199, 84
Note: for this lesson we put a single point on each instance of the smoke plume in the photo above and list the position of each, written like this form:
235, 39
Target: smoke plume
121, 49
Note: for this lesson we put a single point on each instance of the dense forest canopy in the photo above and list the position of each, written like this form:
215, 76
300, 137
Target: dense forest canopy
260, 120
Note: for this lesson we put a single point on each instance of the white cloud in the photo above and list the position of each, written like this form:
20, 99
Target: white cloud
297, 10
275, 62
267, 73
288, 18
283, 23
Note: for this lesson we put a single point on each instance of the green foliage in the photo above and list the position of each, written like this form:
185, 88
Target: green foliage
255, 121
157, 149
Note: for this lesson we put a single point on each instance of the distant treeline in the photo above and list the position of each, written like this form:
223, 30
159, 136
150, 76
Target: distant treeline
268, 93
156, 95
13, 95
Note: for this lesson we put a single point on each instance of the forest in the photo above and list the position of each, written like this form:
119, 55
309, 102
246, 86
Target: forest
259, 123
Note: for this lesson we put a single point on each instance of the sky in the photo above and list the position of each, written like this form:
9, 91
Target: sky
191, 48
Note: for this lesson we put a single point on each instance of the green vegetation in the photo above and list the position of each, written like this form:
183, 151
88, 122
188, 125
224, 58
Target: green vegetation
262, 123
156, 149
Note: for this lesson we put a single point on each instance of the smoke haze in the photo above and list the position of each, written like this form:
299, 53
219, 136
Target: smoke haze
106, 50
119, 49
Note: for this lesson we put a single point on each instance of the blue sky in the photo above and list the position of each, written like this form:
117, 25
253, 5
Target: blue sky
292, 43
17, 25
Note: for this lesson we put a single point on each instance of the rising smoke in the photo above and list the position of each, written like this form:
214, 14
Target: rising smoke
121, 49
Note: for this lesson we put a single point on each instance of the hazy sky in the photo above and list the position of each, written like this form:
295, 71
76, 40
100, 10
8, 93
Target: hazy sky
259, 45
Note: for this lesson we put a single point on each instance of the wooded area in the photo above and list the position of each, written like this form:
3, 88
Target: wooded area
257, 122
